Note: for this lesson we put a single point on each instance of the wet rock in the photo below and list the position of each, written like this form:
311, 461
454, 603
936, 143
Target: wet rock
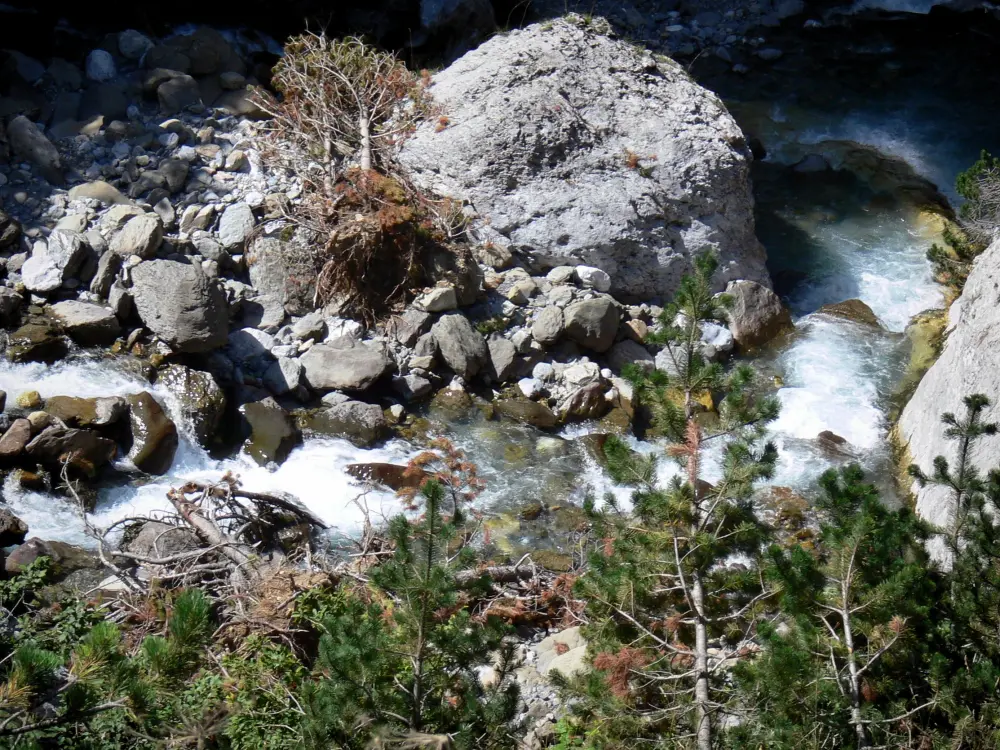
177, 302
852, 309
30, 144
412, 386
14, 441
140, 236
12, 529
461, 346
528, 412
587, 402
202, 402
10, 305
345, 366
592, 323
391, 476
35, 342
273, 432
87, 324
29, 400
832, 443
593, 445
363, 424
65, 558
85, 451
691, 157
756, 315
154, 435
87, 412
53, 263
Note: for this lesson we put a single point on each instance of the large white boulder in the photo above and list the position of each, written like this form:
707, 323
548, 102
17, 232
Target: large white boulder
580, 149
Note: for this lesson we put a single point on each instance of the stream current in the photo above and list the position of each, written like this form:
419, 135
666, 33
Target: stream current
831, 235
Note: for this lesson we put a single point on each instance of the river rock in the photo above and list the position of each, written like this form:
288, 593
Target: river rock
345, 366
412, 386
529, 412
108, 268
279, 262
87, 412
99, 191
177, 302
542, 122
65, 558
154, 435
548, 326
30, 144
133, 45
140, 236
503, 358
235, 225
100, 66
273, 432
592, 323
284, 375
628, 352
756, 315
460, 345
53, 263
10, 231
311, 326
202, 402
10, 305
87, 324
157, 540
363, 424
14, 440
12, 529
36, 342
86, 451
409, 326
852, 309
969, 363
593, 278
587, 402
392, 476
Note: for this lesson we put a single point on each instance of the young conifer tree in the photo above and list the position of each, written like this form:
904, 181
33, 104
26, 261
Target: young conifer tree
401, 663
674, 584
847, 659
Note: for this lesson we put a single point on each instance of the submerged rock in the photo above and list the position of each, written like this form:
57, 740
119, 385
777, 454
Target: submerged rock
36, 342
202, 401
529, 412
273, 432
573, 145
363, 424
393, 476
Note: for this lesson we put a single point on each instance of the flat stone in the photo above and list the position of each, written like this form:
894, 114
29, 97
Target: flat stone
235, 225
439, 299
140, 236
87, 324
350, 367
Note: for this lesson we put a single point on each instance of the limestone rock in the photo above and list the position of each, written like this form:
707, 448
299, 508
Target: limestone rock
87, 324
177, 302
154, 435
559, 183
592, 323
756, 315
140, 236
348, 366
461, 346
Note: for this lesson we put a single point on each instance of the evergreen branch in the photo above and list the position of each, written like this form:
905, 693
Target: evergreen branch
907, 715
59, 720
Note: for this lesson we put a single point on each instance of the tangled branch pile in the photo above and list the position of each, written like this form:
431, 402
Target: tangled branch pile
343, 107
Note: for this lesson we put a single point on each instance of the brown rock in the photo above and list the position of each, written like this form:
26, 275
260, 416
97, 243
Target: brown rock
393, 476
756, 315
587, 402
154, 435
529, 412
13, 442
86, 451
852, 309
12, 529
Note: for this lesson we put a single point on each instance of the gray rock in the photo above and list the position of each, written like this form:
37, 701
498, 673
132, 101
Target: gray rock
120, 300
140, 236
629, 353
548, 326
30, 144
361, 423
592, 323
264, 312
12, 529
756, 315
177, 94
10, 305
412, 386
202, 402
133, 45
235, 226
439, 299
99, 191
969, 363
100, 66
175, 172
593, 278
158, 540
273, 432
87, 324
311, 326
503, 357
281, 266
178, 303
410, 326
461, 346
284, 376
251, 349
52, 264
209, 249
560, 186
350, 366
